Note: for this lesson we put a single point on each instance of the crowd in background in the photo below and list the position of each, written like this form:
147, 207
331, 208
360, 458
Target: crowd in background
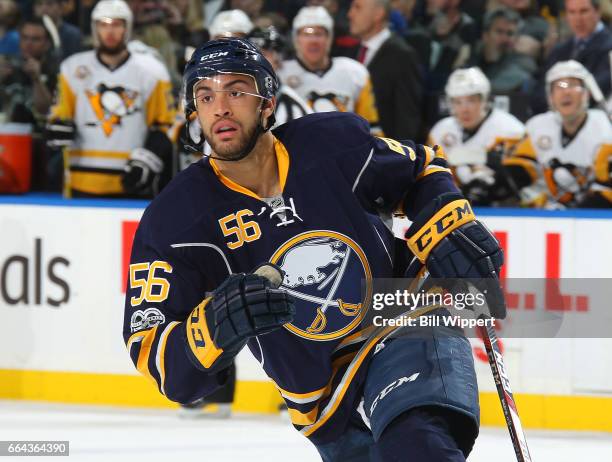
408, 51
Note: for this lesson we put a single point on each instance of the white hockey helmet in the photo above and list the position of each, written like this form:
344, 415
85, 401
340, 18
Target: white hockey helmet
231, 22
112, 9
312, 16
466, 82
573, 69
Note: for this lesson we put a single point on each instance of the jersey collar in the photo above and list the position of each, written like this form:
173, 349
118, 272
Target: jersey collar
282, 160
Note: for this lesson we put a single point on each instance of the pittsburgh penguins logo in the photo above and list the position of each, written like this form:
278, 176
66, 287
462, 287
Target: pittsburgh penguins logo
449, 140
324, 271
544, 142
327, 102
111, 104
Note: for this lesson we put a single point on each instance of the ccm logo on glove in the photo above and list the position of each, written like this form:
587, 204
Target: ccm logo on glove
445, 220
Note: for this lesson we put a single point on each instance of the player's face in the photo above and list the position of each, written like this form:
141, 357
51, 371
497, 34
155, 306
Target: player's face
567, 96
111, 34
229, 110
582, 17
468, 110
313, 44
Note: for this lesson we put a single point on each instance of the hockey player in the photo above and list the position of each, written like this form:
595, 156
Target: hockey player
231, 23
111, 113
570, 144
289, 105
304, 197
326, 83
475, 136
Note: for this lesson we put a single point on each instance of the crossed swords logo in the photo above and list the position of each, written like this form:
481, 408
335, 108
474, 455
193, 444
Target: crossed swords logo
348, 309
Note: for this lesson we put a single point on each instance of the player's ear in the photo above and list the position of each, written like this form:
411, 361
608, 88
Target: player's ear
267, 111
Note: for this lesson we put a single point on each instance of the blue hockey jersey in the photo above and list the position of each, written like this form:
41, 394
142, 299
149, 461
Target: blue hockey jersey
324, 232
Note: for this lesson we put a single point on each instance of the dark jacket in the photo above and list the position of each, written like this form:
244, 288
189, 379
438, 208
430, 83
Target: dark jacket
398, 89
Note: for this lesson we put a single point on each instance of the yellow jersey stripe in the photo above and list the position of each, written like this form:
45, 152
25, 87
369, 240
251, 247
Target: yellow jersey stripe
160, 105
602, 163
66, 101
99, 154
95, 182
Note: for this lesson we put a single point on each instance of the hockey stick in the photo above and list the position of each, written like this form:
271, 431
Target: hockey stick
502, 383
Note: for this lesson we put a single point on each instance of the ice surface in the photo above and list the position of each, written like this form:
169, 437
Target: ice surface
160, 435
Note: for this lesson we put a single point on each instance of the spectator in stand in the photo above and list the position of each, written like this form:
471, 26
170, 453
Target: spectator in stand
406, 24
507, 70
187, 23
28, 80
252, 8
475, 137
453, 33
26, 89
571, 143
9, 37
70, 35
327, 83
533, 29
590, 45
393, 65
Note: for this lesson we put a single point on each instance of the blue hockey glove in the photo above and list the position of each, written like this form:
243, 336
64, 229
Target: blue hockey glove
452, 244
243, 306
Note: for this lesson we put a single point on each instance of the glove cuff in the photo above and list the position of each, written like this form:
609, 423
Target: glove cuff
445, 214
204, 352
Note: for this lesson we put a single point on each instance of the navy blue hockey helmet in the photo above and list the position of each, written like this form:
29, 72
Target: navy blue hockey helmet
231, 55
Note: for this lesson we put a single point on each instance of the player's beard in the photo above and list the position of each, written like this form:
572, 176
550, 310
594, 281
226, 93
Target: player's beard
236, 150
112, 51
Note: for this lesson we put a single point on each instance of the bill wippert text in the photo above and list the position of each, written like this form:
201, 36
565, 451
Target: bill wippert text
433, 321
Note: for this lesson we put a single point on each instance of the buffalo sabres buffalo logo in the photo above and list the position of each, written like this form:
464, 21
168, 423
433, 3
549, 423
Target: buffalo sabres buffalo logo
324, 271
111, 104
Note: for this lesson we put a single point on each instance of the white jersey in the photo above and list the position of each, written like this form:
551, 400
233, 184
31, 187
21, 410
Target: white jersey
461, 148
113, 111
289, 106
344, 86
587, 155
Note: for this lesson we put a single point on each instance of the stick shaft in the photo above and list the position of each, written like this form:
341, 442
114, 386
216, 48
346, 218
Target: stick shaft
502, 383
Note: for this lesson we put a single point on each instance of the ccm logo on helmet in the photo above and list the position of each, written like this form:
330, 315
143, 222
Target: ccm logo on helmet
214, 55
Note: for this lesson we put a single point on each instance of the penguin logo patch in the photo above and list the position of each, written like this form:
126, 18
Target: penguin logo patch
111, 104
